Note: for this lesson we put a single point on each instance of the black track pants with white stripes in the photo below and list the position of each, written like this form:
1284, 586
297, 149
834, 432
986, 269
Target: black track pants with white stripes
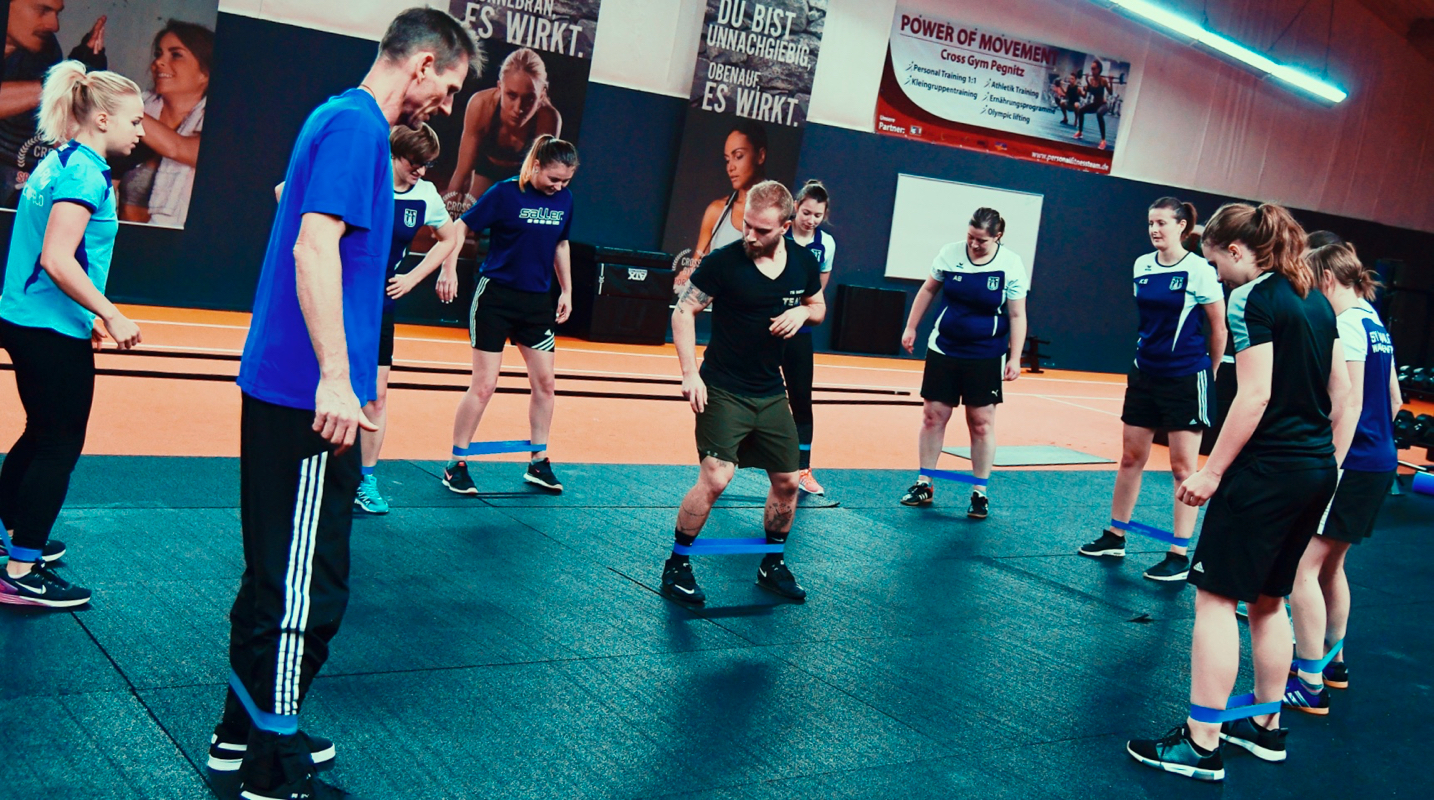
296, 501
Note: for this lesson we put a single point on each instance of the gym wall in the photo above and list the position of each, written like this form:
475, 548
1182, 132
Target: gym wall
268, 76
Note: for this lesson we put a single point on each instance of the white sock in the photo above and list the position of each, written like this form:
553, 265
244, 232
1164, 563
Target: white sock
981, 490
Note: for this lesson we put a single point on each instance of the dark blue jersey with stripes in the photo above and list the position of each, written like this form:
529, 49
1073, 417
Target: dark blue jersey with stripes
823, 247
413, 209
973, 321
1173, 327
1364, 339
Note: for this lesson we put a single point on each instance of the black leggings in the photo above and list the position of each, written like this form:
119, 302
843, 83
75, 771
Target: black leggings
55, 375
797, 372
1098, 109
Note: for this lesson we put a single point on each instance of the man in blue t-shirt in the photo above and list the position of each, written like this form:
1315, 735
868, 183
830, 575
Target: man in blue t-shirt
309, 366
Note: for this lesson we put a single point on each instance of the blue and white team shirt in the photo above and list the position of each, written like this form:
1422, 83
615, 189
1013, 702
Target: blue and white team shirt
1172, 340
1365, 339
974, 322
75, 174
823, 246
412, 210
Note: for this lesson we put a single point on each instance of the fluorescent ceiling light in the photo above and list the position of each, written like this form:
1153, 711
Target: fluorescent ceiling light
1187, 29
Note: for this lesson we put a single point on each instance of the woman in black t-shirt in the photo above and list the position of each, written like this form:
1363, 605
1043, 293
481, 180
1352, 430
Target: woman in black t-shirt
1268, 481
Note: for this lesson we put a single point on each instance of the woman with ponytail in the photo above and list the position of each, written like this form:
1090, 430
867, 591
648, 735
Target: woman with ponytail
1320, 600
813, 204
1182, 336
529, 218
1268, 480
55, 277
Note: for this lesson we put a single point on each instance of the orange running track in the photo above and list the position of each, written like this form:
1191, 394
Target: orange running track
151, 413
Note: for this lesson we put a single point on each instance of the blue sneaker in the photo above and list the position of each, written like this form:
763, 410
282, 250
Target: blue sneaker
1301, 697
368, 498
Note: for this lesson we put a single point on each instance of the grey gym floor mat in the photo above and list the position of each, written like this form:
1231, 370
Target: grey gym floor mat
1039, 455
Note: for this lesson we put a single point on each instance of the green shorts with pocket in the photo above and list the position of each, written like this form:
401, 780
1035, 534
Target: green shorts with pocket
756, 432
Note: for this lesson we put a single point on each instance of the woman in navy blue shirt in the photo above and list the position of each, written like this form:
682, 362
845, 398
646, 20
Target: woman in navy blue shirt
1319, 602
528, 218
813, 204
1182, 335
55, 275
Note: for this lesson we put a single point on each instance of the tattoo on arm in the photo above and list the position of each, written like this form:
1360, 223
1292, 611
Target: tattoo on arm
694, 297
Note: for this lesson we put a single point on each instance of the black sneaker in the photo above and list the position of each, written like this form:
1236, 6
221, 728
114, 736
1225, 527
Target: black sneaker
980, 506
1172, 568
776, 578
457, 480
541, 474
1336, 675
1300, 697
1175, 752
280, 767
41, 587
918, 495
1267, 745
308, 787
227, 749
53, 551
1108, 545
679, 583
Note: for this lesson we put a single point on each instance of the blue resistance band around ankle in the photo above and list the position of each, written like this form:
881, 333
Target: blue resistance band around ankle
1245, 707
726, 547
1150, 531
493, 448
960, 477
282, 724
1317, 665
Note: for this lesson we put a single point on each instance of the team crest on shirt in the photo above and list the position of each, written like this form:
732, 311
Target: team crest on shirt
1177, 283
410, 217
993, 283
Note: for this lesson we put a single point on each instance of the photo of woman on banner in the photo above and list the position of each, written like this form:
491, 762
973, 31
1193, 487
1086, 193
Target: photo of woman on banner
158, 187
1098, 92
745, 155
501, 123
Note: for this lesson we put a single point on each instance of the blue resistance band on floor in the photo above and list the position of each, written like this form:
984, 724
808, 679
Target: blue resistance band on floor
493, 448
960, 477
282, 724
1318, 665
1247, 707
726, 547
1150, 531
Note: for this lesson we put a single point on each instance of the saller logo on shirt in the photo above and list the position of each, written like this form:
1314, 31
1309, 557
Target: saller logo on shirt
541, 216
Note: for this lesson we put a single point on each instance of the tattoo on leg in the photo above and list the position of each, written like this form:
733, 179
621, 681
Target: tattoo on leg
689, 522
779, 515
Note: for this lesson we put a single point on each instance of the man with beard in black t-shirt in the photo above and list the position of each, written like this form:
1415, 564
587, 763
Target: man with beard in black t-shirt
766, 287
30, 50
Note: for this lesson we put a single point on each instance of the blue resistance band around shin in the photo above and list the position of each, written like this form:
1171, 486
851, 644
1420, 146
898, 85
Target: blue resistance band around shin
494, 448
22, 555
1317, 665
726, 547
282, 724
1150, 531
1244, 706
960, 477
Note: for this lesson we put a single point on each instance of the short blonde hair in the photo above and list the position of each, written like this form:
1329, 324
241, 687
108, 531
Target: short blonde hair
72, 94
770, 194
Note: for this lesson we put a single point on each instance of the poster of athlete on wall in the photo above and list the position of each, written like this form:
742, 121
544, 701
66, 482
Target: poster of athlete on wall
537, 57
165, 46
746, 112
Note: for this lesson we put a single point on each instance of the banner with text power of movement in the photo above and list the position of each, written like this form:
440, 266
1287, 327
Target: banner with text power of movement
746, 112
972, 87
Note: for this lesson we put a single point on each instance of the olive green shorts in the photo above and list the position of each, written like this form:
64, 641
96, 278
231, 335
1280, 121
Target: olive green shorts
756, 432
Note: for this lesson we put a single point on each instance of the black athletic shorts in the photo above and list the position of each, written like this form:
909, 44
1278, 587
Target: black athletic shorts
1167, 404
501, 313
748, 431
1356, 505
1257, 527
974, 382
385, 340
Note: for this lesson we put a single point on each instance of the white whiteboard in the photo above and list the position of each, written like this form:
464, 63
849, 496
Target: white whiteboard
931, 213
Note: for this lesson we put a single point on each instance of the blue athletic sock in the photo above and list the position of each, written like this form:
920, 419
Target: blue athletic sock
367, 471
